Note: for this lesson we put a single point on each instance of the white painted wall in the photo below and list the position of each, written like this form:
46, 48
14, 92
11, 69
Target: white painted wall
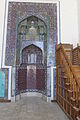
69, 21
2, 7
78, 4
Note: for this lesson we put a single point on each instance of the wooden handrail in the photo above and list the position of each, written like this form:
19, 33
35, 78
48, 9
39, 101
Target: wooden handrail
69, 64
76, 48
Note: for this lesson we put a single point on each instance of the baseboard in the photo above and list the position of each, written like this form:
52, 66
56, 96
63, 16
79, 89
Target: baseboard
53, 100
5, 100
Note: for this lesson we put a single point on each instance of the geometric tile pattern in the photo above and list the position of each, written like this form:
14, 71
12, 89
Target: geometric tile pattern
4, 77
17, 12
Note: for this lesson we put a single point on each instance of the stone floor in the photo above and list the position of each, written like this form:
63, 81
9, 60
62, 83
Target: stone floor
31, 108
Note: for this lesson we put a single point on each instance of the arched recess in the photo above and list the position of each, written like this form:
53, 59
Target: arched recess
31, 55
31, 73
40, 46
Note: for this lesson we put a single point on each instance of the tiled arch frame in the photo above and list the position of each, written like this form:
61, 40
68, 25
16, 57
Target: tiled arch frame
47, 12
35, 15
14, 18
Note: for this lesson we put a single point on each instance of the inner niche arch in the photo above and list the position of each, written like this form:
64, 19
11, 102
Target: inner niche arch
31, 73
32, 55
27, 44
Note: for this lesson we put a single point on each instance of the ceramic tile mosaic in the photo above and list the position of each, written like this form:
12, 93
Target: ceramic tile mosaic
4, 83
31, 24
20, 11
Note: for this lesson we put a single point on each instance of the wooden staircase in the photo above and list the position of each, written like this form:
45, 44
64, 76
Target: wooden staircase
68, 80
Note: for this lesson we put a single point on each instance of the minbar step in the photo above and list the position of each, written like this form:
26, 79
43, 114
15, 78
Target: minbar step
78, 118
73, 99
68, 84
76, 109
5, 100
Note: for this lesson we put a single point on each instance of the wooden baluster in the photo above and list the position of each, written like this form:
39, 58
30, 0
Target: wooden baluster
63, 92
77, 96
60, 90
73, 88
56, 83
71, 82
67, 100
